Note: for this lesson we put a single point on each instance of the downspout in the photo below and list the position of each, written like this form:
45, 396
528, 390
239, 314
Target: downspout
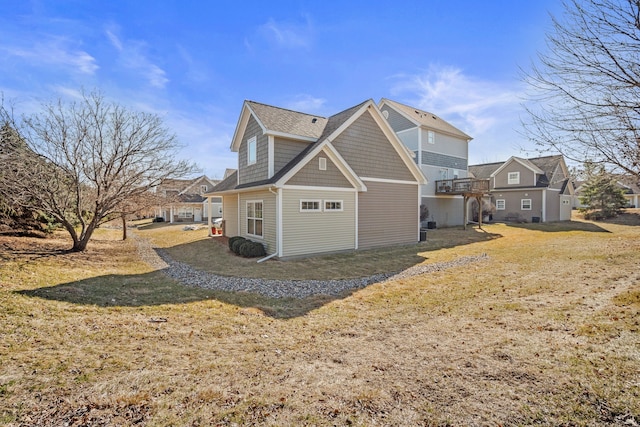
268, 257
209, 224
544, 205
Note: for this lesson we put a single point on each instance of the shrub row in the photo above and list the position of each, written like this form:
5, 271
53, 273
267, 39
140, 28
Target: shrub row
246, 248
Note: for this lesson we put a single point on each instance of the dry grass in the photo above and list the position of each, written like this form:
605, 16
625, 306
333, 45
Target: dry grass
546, 332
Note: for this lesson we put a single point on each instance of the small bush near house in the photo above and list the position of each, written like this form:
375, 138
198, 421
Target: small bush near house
250, 249
234, 239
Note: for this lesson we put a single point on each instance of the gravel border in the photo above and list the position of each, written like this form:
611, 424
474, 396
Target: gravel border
189, 276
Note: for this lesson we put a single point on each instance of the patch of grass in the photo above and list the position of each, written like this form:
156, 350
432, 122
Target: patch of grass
541, 333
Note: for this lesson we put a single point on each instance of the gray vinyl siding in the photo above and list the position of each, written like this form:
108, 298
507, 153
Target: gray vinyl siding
443, 160
410, 140
230, 215
268, 218
445, 144
527, 176
260, 169
387, 215
553, 205
306, 233
311, 175
445, 211
397, 121
513, 203
286, 150
369, 153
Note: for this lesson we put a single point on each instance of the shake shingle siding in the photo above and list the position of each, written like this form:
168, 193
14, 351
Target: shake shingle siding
307, 233
259, 170
367, 150
286, 150
443, 161
397, 121
387, 214
311, 175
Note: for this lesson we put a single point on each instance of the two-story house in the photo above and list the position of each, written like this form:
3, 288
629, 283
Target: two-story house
307, 184
440, 150
184, 201
531, 190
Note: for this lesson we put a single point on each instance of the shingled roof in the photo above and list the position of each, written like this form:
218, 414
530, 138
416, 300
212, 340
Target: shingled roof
424, 118
290, 122
548, 168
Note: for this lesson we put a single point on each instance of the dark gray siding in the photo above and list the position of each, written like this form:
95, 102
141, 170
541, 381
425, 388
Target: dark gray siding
397, 121
260, 169
442, 160
286, 150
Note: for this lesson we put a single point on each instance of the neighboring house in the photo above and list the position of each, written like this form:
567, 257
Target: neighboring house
185, 200
439, 149
629, 185
531, 190
307, 184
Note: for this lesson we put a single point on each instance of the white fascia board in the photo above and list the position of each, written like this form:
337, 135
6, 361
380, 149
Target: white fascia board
317, 188
246, 113
290, 136
398, 145
326, 147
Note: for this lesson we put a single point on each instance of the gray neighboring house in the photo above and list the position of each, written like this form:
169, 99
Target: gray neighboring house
531, 190
629, 184
185, 200
307, 184
440, 150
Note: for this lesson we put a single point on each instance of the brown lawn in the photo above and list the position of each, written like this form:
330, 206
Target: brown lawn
544, 332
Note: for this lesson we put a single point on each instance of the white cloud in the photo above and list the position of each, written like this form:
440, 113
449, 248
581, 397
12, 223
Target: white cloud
306, 104
486, 110
55, 51
286, 34
133, 56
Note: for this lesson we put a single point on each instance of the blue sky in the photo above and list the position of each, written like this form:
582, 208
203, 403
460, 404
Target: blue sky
195, 62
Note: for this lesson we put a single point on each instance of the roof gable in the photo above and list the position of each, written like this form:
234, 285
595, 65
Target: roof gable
524, 162
424, 119
278, 121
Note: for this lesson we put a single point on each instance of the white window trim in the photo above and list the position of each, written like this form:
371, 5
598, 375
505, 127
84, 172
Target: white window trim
522, 204
431, 137
322, 163
185, 212
324, 205
504, 204
253, 217
252, 141
319, 202
515, 180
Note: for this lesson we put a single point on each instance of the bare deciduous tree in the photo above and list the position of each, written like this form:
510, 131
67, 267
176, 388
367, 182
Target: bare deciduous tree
585, 100
84, 160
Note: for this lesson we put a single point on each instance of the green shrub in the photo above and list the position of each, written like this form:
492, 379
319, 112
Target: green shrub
250, 249
234, 239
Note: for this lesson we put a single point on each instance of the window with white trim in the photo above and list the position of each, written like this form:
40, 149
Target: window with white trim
501, 204
333, 205
322, 163
513, 178
525, 204
203, 188
254, 218
309, 205
251, 150
431, 137
185, 212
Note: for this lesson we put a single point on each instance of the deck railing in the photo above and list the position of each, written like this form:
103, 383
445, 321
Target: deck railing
462, 186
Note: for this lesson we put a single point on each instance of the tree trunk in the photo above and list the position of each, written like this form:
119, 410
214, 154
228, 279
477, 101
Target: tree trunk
124, 227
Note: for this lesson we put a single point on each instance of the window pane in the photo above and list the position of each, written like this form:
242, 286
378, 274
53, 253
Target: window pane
258, 227
250, 226
258, 213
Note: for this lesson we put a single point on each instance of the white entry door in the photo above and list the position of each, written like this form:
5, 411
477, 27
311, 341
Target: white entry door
197, 215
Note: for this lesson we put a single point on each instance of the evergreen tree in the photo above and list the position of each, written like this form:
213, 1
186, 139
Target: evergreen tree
602, 196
